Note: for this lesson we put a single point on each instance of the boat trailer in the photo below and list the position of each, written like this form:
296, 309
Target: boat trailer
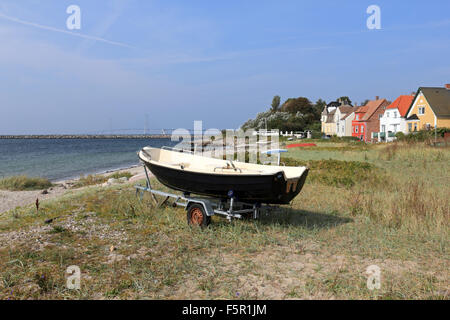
200, 210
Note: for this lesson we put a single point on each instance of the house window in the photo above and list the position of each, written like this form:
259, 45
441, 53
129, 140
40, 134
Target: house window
342, 128
383, 128
380, 116
356, 129
422, 110
387, 114
395, 114
415, 126
409, 127
362, 129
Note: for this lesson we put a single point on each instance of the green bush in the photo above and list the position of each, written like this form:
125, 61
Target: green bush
335, 138
422, 135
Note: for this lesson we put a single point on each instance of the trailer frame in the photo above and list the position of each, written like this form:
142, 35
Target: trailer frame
230, 208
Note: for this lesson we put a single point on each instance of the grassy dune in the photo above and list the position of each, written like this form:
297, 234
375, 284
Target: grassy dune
384, 205
24, 183
94, 179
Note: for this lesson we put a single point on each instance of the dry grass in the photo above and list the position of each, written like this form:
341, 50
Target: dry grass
24, 183
91, 180
317, 248
340, 173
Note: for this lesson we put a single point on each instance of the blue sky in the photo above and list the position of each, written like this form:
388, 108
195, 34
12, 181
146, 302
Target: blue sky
216, 61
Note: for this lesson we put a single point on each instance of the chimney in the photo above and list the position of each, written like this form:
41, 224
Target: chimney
447, 86
377, 98
413, 93
356, 104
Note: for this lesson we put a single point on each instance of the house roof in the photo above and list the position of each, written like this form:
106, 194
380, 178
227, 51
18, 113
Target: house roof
438, 99
413, 117
334, 104
346, 109
372, 106
402, 103
330, 116
362, 109
347, 115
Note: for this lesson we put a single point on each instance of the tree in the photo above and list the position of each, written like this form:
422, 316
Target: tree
276, 103
365, 102
318, 107
296, 114
345, 100
300, 104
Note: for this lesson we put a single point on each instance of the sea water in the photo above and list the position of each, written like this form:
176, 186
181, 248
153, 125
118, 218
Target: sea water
58, 159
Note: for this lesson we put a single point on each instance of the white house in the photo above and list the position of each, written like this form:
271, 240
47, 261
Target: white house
393, 119
341, 119
346, 125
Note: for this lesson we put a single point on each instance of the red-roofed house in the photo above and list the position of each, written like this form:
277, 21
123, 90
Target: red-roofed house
394, 118
367, 119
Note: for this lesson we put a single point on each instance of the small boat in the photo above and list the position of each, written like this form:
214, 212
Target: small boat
246, 182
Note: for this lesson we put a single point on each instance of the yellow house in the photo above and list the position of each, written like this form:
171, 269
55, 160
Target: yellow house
328, 123
430, 108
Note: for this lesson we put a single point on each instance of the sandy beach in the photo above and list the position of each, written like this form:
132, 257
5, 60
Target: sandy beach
13, 199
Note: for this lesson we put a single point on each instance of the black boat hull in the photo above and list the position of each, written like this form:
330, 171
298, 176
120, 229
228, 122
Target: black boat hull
267, 189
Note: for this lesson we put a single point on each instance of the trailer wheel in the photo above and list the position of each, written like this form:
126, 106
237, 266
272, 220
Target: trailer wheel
196, 216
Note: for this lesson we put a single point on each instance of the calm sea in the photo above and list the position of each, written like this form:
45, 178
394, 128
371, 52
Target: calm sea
58, 159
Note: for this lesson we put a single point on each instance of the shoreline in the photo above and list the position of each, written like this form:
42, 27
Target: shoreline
98, 172
10, 200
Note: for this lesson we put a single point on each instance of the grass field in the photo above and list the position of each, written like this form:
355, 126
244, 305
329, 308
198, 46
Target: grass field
385, 205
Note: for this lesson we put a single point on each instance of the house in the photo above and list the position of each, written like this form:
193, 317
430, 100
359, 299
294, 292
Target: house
328, 123
346, 123
367, 119
393, 119
332, 115
327, 118
357, 124
343, 122
430, 108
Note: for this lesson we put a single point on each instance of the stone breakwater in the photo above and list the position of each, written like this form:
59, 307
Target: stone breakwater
71, 136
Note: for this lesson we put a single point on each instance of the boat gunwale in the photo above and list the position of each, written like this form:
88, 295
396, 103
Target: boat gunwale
234, 173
